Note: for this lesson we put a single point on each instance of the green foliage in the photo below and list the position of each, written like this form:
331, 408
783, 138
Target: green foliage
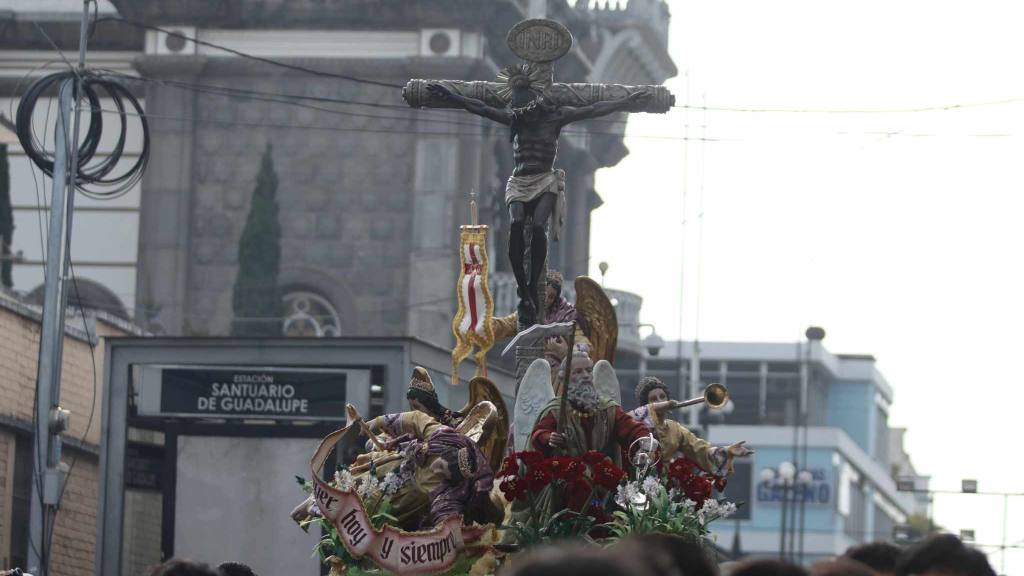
256, 300
662, 514
6, 221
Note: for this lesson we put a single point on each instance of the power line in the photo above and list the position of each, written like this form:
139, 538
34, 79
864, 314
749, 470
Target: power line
909, 110
247, 56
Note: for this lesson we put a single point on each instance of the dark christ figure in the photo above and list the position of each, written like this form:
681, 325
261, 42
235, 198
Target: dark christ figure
535, 191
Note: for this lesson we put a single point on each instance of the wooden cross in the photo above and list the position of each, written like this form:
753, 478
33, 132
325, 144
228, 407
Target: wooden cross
539, 42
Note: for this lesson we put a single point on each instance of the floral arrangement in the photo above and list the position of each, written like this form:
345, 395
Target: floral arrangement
376, 495
591, 498
674, 501
557, 497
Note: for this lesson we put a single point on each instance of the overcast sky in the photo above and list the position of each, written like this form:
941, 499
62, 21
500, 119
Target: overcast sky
899, 232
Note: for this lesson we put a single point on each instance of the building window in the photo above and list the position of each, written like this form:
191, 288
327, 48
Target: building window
21, 501
308, 314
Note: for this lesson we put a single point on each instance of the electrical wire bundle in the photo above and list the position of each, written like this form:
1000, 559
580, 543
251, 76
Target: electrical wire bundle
95, 176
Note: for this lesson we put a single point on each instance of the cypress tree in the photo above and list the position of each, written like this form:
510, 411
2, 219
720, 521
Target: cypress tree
256, 300
6, 221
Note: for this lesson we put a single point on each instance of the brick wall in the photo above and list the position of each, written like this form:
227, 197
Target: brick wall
74, 536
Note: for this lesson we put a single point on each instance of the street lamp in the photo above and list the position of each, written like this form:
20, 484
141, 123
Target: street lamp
786, 477
652, 345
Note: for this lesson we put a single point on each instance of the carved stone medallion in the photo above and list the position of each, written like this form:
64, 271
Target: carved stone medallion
539, 40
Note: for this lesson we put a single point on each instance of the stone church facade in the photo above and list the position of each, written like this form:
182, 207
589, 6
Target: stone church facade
371, 194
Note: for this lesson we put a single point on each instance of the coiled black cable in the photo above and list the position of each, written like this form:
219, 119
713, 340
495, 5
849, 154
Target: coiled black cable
94, 179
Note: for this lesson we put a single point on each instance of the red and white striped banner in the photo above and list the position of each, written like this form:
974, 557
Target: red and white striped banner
473, 325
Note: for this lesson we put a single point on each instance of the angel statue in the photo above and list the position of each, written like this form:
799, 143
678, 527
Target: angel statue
652, 397
443, 469
596, 325
594, 418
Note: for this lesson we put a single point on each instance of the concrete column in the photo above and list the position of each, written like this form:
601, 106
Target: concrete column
166, 204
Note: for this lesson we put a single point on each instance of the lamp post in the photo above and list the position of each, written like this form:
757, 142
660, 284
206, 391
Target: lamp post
814, 334
788, 479
651, 344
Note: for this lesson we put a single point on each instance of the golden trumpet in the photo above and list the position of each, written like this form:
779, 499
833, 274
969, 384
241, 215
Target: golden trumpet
716, 395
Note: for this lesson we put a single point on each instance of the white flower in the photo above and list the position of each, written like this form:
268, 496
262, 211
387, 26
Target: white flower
630, 496
713, 509
626, 494
652, 487
367, 486
391, 483
343, 480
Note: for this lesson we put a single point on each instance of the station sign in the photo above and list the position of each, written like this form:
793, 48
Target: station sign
816, 492
252, 393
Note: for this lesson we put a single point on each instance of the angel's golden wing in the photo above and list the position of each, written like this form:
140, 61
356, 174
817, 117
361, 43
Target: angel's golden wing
495, 433
602, 324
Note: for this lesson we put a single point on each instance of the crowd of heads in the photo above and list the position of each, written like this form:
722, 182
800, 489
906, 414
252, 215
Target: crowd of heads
664, 555
180, 567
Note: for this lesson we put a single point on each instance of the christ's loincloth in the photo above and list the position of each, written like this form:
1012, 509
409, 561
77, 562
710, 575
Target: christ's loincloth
528, 188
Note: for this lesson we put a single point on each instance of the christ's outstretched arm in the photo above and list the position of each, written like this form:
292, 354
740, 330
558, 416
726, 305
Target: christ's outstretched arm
572, 114
472, 105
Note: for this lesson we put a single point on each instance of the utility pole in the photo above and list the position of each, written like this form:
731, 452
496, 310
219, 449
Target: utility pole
48, 474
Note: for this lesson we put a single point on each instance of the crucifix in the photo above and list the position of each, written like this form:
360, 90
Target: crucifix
535, 108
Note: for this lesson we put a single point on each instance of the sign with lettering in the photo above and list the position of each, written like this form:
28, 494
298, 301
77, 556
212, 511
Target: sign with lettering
816, 492
248, 392
539, 40
395, 550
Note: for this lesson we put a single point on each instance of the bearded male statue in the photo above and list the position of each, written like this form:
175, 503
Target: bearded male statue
592, 422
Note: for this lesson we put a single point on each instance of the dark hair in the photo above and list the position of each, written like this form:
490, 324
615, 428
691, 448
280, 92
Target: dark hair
234, 569
178, 567
768, 568
688, 555
841, 567
569, 560
879, 556
646, 386
433, 406
943, 553
554, 278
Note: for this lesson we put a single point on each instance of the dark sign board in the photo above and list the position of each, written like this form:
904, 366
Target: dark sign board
143, 466
738, 490
264, 393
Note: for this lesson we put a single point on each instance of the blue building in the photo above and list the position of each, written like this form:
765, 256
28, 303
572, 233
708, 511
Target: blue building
822, 415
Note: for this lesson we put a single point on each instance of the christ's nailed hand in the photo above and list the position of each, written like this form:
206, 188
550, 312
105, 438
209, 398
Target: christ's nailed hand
439, 90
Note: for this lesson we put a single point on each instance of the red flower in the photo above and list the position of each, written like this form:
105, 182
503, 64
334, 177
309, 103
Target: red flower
530, 457
537, 479
513, 488
607, 475
698, 489
680, 468
509, 466
577, 491
594, 458
574, 470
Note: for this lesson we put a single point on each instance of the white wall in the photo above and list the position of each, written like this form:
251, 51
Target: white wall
233, 497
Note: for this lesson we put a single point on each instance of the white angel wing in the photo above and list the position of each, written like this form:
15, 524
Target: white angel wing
606, 382
535, 393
